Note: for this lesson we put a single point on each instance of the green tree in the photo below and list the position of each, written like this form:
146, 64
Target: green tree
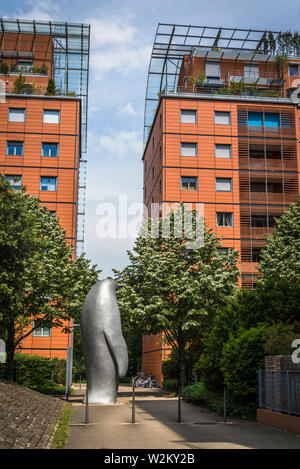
171, 288
39, 279
242, 357
280, 258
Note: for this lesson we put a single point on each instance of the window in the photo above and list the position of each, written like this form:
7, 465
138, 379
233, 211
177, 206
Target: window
258, 186
41, 330
24, 65
268, 119
273, 152
15, 181
256, 254
293, 70
188, 117
271, 186
48, 183
223, 184
224, 219
49, 149
189, 183
212, 70
222, 150
16, 115
223, 250
152, 172
259, 221
188, 149
222, 118
160, 186
251, 70
272, 119
152, 143
160, 121
14, 148
255, 118
160, 154
51, 117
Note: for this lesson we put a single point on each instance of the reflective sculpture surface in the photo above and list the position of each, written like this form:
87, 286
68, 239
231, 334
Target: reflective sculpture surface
104, 347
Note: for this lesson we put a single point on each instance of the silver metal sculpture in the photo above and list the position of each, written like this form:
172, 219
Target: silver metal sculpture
104, 347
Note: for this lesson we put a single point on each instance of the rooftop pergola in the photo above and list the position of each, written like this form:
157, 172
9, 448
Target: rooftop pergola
173, 42
71, 44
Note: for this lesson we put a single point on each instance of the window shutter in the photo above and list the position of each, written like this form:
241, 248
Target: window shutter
188, 117
222, 150
212, 69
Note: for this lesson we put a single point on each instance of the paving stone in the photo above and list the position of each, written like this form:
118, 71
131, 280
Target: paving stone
26, 417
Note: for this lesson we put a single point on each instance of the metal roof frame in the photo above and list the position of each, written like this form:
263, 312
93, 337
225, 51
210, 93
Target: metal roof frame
71, 46
174, 41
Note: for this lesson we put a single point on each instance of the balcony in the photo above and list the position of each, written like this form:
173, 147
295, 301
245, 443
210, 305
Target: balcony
223, 91
25, 70
267, 164
257, 232
32, 89
254, 78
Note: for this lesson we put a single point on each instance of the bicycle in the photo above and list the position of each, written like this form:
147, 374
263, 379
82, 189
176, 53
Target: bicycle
145, 381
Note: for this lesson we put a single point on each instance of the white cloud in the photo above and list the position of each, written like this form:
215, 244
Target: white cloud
127, 110
122, 143
116, 46
44, 10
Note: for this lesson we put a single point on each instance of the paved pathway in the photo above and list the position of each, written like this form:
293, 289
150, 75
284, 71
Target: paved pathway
110, 426
26, 417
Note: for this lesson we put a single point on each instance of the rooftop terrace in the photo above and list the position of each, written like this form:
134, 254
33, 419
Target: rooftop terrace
174, 42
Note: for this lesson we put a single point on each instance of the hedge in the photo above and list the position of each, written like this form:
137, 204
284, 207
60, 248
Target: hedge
198, 394
39, 373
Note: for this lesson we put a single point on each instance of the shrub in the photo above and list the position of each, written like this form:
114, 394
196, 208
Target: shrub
45, 387
170, 384
170, 368
4, 68
39, 373
78, 369
51, 88
198, 394
280, 338
19, 83
242, 357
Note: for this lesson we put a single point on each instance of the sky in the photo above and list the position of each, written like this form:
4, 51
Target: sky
122, 35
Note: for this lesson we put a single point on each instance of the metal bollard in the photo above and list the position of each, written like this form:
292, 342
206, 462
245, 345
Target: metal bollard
224, 406
179, 404
133, 399
86, 406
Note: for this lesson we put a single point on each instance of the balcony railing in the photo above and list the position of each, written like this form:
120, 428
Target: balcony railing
25, 70
200, 90
254, 77
32, 89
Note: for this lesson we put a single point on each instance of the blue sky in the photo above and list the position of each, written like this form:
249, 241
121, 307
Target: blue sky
122, 34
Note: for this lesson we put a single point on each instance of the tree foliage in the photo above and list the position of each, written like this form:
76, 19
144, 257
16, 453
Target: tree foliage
172, 289
39, 277
280, 258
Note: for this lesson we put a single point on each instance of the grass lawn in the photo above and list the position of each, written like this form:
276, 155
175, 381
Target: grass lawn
61, 433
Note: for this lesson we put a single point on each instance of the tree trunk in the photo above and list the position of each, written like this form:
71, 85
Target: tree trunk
182, 368
10, 354
182, 371
181, 361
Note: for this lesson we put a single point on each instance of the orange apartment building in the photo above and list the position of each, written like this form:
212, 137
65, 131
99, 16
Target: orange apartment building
43, 137
222, 129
